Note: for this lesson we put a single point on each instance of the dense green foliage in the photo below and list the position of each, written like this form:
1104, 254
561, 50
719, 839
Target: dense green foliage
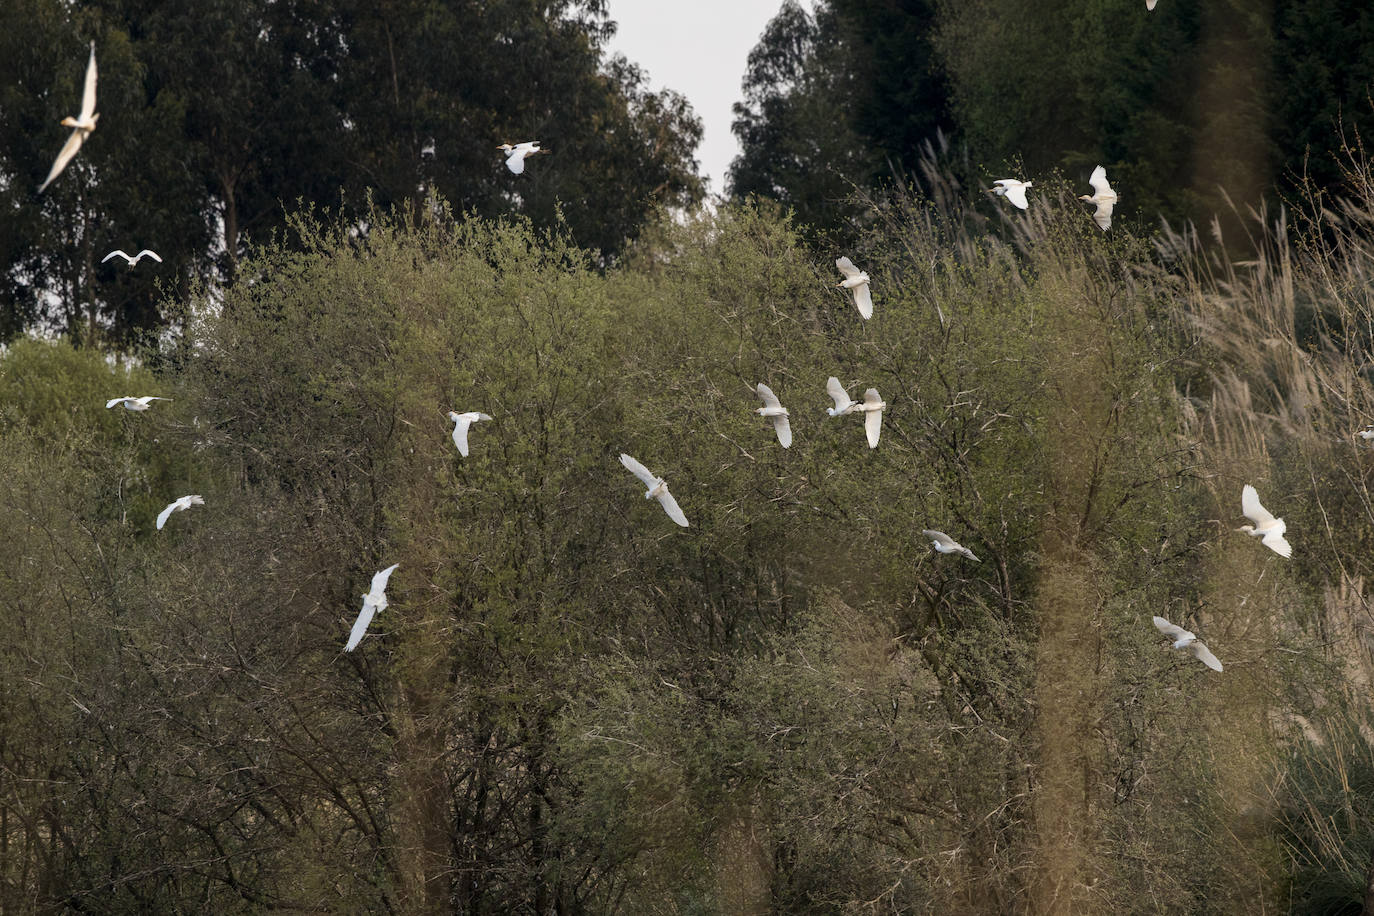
793, 705
219, 117
1184, 105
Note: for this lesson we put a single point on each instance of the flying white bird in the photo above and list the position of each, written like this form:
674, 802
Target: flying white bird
134, 404
1013, 190
1103, 196
373, 601
946, 544
857, 281
1267, 527
179, 505
81, 125
773, 408
1185, 640
1367, 433
873, 407
658, 488
118, 253
461, 422
515, 155
843, 403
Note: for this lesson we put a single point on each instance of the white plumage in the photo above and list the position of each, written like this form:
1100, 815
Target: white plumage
856, 281
119, 253
135, 404
461, 423
773, 409
373, 601
946, 544
843, 402
658, 489
1103, 196
516, 153
873, 407
82, 125
1013, 190
178, 505
1185, 640
1269, 529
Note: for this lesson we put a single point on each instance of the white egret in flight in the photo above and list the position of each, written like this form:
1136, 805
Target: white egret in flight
179, 505
135, 404
946, 544
118, 253
1367, 433
1266, 527
373, 601
515, 155
856, 281
1185, 640
461, 422
1013, 190
773, 408
658, 489
1103, 196
873, 407
81, 125
843, 403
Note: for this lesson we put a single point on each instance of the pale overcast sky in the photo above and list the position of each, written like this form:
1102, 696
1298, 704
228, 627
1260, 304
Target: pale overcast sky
699, 48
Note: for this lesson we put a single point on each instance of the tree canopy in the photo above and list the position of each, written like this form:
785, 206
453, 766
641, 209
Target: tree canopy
219, 118
1190, 107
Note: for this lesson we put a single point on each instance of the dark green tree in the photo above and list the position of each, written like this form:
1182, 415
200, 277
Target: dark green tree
219, 118
844, 97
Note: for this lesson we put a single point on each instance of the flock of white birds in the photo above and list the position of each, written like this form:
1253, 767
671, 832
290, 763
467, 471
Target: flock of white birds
1266, 527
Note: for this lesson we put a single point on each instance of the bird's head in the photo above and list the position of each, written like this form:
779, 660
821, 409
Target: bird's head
506, 146
1087, 197
1246, 529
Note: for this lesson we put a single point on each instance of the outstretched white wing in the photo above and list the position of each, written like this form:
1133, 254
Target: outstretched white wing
672, 508
940, 536
1103, 214
767, 396
1204, 654
113, 401
1276, 542
460, 433
515, 161
373, 601
784, 431
148, 252
355, 636
863, 299
1098, 179
167, 513
117, 253
69, 150
379, 582
88, 93
847, 268
1016, 193
639, 470
873, 417
838, 394
1250, 507
1171, 629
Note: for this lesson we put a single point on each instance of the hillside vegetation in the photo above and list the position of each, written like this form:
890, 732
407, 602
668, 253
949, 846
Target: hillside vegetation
793, 706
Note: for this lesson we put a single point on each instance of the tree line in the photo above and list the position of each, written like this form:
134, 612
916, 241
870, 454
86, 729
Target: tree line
1191, 107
